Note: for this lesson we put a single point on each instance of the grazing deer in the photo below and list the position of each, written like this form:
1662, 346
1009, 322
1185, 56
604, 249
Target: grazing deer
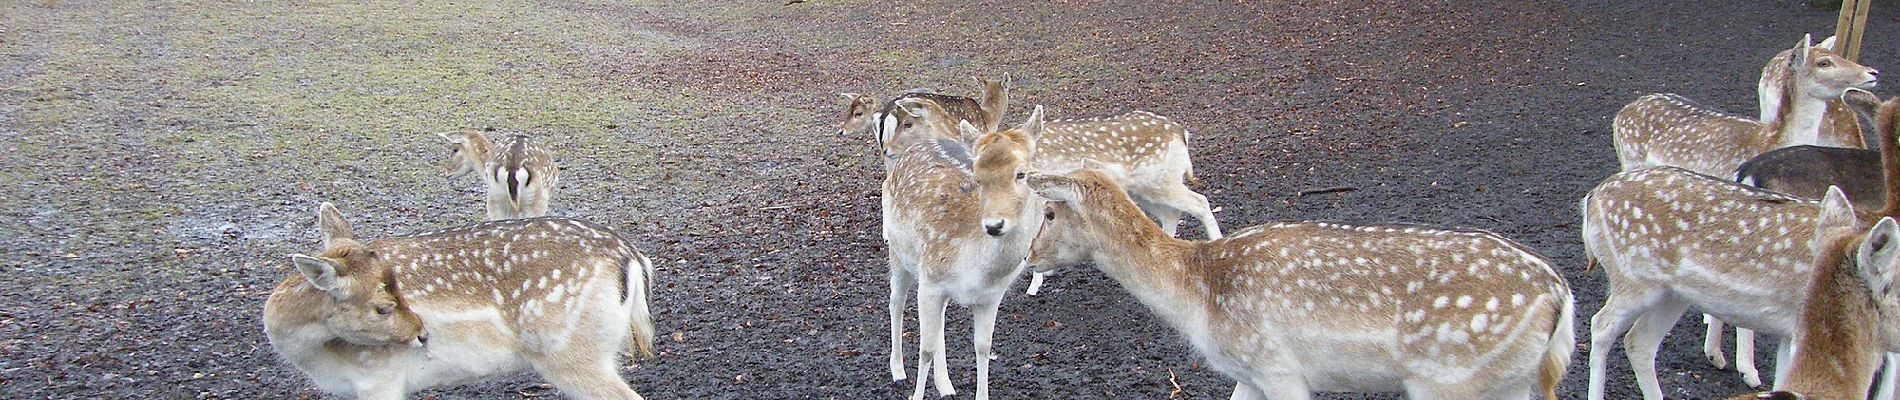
1807, 171
385, 318
936, 243
1667, 129
1669, 239
1145, 153
1839, 128
1291, 308
521, 176
864, 111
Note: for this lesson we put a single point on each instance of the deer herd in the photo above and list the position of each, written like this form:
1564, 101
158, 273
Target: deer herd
1782, 224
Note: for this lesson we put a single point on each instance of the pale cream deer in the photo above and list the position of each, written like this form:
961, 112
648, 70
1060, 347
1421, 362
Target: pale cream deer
1839, 127
1287, 309
384, 318
1667, 129
1145, 153
936, 246
521, 176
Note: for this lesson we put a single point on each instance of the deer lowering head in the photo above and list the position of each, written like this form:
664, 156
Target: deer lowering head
385, 318
1291, 308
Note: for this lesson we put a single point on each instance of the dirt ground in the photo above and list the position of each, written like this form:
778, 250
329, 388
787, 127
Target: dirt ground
160, 158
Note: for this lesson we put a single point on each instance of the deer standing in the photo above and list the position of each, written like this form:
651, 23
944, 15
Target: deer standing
385, 318
864, 111
520, 176
937, 244
1807, 171
1291, 308
1839, 126
1145, 153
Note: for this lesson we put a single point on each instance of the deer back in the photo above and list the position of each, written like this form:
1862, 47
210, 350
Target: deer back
1666, 129
1133, 144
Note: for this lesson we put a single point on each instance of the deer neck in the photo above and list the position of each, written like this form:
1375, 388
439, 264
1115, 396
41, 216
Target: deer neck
1157, 270
1801, 123
1834, 347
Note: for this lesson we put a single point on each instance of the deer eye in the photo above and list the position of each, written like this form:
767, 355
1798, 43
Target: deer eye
1049, 215
906, 124
1825, 63
385, 309
860, 113
1021, 176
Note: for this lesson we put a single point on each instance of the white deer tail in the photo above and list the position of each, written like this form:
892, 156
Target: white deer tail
1563, 342
639, 282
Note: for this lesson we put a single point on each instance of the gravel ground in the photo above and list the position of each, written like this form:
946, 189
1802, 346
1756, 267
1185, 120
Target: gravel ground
161, 157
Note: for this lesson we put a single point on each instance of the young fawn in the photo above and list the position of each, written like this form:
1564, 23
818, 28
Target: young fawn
1291, 308
1666, 129
1839, 126
937, 244
521, 176
1145, 153
385, 318
1668, 239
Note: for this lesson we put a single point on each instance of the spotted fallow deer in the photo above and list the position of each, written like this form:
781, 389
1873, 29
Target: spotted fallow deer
1839, 126
1807, 171
1669, 238
385, 318
864, 111
1667, 129
1852, 314
1145, 153
936, 244
1291, 308
521, 177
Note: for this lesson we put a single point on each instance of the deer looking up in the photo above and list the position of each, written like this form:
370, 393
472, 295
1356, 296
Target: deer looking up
1839, 127
1667, 129
521, 177
1291, 308
384, 318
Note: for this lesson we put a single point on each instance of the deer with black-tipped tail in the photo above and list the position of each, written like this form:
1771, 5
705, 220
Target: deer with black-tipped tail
1291, 308
520, 176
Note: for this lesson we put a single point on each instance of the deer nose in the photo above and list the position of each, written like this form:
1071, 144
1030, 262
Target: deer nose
994, 228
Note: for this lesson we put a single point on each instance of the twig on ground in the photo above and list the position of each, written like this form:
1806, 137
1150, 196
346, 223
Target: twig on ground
1335, 189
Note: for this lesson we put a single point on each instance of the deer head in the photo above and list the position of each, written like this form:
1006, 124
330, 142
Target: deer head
467, 151
1822, 74
1001, 169
859, 112
356, 297
1070, 217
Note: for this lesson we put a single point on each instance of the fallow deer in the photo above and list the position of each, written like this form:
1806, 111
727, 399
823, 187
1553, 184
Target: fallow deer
384, 318
1291, 308
1807, 171
1145, 153
1667, 129
1839, 127
936, 244
521, 177
864, 111
1778, 395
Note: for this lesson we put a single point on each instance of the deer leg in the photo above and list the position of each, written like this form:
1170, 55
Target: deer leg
1609, 322
387, 390
985, 314
586, 377
1784, 360
930, 309
1186, 200
901, 284
1745, 356
1244, 391
1282, 388
1644, 339
1888, 377
1712, 342
1165, 216
1035, 283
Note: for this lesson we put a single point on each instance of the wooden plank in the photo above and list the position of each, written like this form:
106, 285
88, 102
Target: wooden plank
1848, 28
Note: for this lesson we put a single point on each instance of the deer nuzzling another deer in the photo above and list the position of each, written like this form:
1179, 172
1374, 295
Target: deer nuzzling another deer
384, 318
1291, 308
521, 177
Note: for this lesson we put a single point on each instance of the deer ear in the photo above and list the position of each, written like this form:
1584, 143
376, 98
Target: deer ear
1877, 256
849, 97
331, 226
1056, 187
453, 137
1861, 101
1836, 211
1800, 57
970, 132
321, 274
1828, 44
913, 108
1033, 126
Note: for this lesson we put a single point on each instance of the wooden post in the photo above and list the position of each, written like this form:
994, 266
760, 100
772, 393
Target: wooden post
1848, 29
